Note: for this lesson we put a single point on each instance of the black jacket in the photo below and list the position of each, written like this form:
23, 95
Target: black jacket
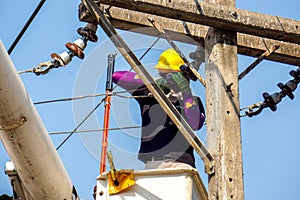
160, 136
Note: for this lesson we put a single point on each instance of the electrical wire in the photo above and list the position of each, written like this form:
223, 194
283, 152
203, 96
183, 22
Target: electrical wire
149, 48
68, 99
31, 18
25, 71
81, 123
90, 96
94, 130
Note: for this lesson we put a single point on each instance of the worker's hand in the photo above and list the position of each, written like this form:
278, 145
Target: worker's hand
162, 83
193, 112
182, 83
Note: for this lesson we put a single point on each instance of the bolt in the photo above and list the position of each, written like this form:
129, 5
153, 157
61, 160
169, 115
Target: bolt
234, 15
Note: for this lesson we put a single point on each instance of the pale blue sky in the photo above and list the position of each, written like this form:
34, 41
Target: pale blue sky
270, 141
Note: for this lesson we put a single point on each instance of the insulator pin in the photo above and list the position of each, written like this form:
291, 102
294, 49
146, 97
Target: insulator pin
272, 100
295, 74
80, 43
64, 58
287, 89
292, 84
74, 48
88, 34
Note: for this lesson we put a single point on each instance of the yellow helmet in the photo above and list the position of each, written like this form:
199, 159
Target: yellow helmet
170, 60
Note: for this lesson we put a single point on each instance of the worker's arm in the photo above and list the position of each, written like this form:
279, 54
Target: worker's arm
194, 116
130, 81
127, 80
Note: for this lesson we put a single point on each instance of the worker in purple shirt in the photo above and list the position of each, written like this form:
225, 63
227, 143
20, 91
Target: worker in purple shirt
162, 144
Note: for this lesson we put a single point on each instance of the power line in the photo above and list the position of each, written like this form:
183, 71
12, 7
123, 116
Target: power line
75, 130
93, 130
81, 123
31, 18
68, 99
89, 96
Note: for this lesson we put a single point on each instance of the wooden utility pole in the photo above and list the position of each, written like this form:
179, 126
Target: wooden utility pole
222, 107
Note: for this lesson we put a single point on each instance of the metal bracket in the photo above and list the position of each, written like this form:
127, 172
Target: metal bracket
258, 60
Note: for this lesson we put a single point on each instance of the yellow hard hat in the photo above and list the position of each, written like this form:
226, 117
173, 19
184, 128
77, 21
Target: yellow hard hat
169, 59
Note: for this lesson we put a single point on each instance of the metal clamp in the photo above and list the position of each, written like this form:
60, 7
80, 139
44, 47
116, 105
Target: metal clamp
45, 67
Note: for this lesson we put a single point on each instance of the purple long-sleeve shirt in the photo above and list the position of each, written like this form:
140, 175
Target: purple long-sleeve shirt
130, 81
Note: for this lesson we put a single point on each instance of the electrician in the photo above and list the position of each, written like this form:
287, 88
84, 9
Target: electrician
162, 144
